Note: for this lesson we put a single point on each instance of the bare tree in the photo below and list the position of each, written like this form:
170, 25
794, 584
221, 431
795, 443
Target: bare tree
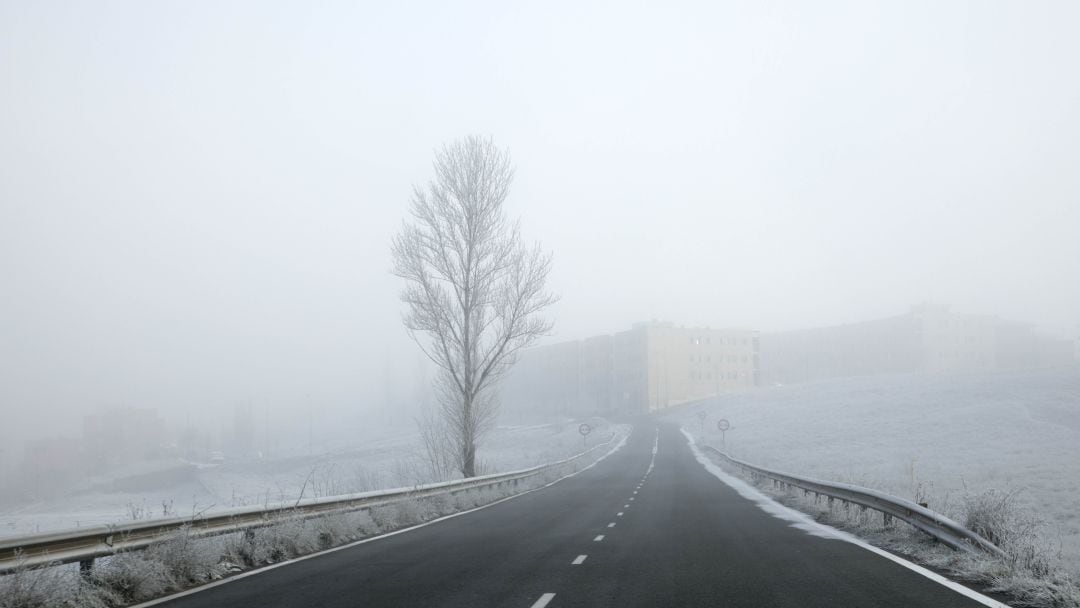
474, 289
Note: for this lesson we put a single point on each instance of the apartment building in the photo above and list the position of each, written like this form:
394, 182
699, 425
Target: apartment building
928, 338
649, 367
689, 363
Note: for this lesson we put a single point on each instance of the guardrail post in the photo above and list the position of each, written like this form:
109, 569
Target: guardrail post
85, 567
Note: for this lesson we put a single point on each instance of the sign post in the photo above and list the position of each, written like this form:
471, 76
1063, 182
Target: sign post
723, 426
584, 429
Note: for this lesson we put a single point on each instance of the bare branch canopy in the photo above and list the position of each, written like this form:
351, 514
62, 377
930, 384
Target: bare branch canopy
474, 290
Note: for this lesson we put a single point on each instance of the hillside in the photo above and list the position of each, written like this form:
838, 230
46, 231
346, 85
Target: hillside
940, 436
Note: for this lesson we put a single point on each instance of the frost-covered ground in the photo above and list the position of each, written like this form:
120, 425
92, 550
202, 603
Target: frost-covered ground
933, 436
389, 462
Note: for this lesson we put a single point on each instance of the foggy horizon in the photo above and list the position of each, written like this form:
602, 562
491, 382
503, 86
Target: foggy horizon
197, 201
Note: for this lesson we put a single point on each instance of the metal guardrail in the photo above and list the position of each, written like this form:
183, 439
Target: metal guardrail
86, 544
935, 524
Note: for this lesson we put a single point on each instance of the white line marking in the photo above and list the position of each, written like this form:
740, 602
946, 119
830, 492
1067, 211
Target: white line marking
619, 514
577, 560
611, 525
806, 523
626, 506
631, 498
543, 601
225, 581
599, 537
635, 491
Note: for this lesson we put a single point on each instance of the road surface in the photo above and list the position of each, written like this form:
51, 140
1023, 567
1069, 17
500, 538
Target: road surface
638, 529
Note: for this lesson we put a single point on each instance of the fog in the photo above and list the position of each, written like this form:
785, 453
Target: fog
197, 199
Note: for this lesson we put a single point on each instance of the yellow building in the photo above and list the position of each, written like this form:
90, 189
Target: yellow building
649, 367
691, 363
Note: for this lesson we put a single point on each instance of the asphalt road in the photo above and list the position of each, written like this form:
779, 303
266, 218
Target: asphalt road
635, 530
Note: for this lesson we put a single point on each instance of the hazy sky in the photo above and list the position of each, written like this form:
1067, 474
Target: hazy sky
197, 198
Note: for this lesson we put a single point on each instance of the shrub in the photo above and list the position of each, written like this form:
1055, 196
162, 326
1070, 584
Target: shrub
53, 586
997, 517
187, 559
132, 577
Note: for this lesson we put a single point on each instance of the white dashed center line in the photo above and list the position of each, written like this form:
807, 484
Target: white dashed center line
577, 560
626, 506
543, 601
599, 537
619, 514
611, 525
631, 498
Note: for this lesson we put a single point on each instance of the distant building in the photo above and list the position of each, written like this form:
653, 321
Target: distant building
689, 363
928, 338
653, 366
122, 434
650, 367
49, 464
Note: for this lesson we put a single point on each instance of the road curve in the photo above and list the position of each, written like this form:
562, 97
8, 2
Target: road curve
648, 526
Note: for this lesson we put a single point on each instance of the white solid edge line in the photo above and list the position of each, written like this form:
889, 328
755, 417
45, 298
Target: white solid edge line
578, 560
599, 537
543, 601
806, 520
225, 581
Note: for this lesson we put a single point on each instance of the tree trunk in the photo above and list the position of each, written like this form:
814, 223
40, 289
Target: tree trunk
468, 459
468, 442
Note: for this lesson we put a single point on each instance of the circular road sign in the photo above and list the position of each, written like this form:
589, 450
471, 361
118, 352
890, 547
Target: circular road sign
723, 424
584, 429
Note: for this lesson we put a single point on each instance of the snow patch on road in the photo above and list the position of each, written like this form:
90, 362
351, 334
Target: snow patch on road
798, 520
810, 526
